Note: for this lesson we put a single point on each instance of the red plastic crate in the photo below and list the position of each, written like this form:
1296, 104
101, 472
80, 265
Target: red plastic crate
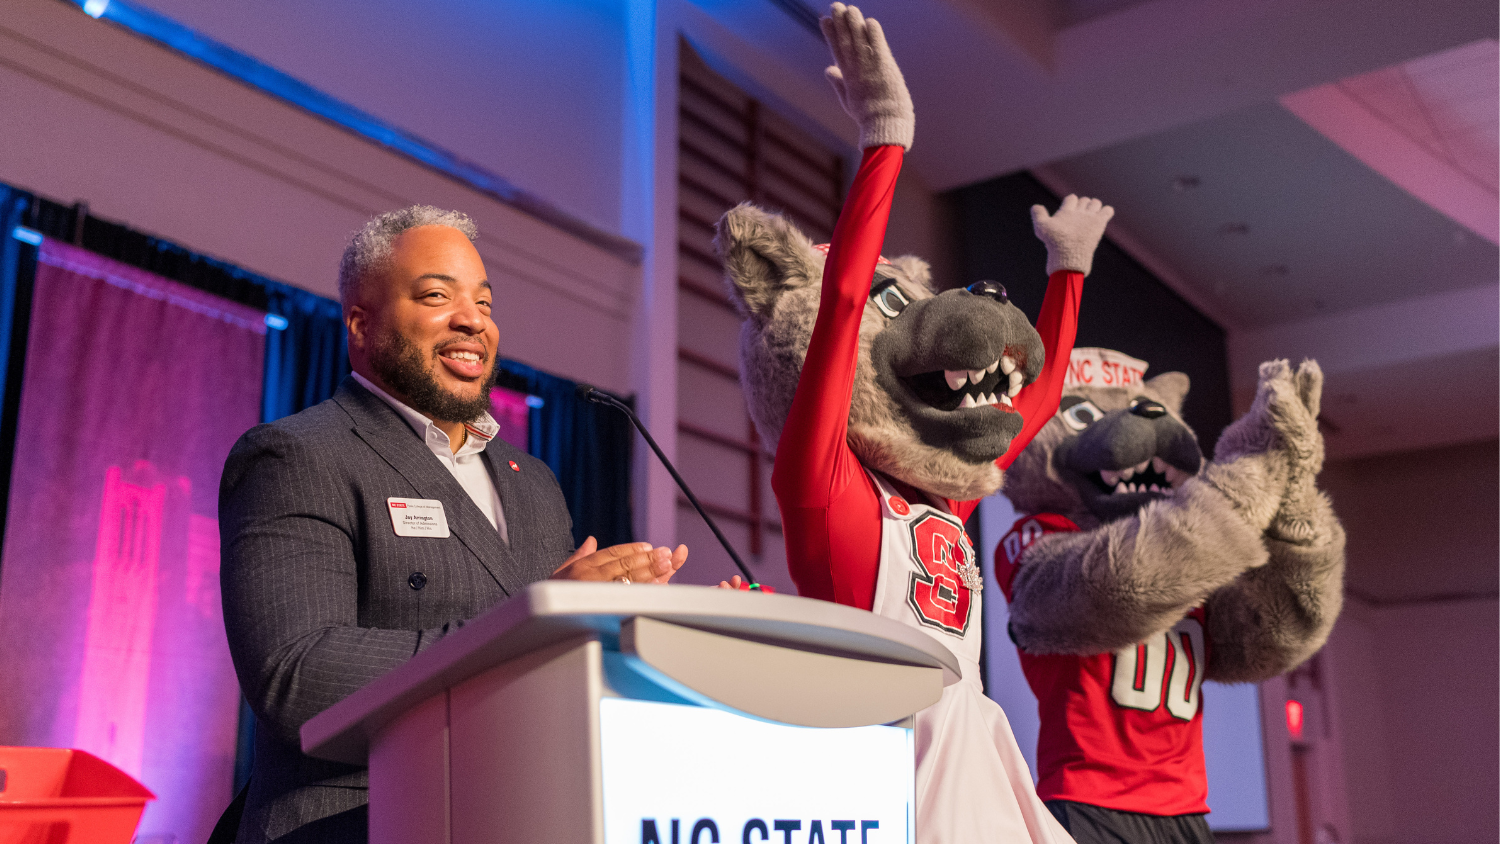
52, 795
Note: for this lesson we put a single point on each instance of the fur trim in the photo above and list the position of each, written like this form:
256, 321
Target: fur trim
1169, 388
918, 271
1033, 483
1101, 590
1273, 618
764, 256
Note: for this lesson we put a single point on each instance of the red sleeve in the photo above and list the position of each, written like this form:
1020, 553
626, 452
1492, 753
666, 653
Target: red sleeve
1037, 402
1058, 325
829, 509
1013, 545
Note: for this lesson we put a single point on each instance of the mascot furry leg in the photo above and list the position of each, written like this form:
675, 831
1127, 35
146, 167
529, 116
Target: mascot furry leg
895, 408
1138, 575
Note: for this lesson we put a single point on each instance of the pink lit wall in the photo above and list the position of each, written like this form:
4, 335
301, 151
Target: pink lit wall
111, 630
1415, 658
512, 414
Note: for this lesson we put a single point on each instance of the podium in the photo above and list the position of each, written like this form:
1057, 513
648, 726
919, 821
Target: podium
605, 713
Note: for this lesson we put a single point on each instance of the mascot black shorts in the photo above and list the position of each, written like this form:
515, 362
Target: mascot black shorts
1098, 825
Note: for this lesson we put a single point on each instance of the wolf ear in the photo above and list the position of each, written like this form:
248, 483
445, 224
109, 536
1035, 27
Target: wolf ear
764, 256
916, 269
1172, 387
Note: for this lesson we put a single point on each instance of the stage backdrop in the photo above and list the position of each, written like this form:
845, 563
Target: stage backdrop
111, 632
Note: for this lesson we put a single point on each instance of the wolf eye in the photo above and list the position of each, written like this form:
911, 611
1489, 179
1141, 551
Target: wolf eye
888, 297
1080, 414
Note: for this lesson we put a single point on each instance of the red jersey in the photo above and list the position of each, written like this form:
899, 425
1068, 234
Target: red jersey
830, 509
1122, 730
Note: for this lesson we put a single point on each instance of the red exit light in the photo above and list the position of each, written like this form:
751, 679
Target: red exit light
1294, 719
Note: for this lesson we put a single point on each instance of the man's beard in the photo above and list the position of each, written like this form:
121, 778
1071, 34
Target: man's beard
400, 364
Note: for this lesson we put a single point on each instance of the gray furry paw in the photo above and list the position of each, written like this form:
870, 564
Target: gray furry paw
1304, 512
1073, 233
866, 79
1255, 458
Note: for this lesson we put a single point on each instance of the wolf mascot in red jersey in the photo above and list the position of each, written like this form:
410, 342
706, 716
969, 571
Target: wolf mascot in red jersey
1139, 572
894, 408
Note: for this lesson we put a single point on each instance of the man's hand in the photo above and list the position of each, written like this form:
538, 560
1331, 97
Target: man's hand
743, 585
1073, 233
636, 561
866, 79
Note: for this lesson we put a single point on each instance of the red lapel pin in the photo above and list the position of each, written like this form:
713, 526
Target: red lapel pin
514, 467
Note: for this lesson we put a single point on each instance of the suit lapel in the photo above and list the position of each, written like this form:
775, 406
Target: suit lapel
378, 424
514, 501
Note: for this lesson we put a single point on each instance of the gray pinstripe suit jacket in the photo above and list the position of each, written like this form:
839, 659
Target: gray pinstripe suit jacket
319, 593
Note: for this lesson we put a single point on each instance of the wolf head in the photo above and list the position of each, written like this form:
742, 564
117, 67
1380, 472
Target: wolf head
929, 402
1108, 451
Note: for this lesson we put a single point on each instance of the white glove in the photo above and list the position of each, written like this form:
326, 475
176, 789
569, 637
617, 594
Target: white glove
1073, 233
866, 79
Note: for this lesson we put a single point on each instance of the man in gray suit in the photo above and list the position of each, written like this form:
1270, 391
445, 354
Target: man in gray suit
360, 531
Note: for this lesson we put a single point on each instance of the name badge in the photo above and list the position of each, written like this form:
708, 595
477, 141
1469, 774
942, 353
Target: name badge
418, 517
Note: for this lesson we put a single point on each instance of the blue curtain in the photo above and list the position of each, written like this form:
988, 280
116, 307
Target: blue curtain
586, 445
17, 271
307, 358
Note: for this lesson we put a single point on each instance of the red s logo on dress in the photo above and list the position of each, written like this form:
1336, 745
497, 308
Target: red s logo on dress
938, 595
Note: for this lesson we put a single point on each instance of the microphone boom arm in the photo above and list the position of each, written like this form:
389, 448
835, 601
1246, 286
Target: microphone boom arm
589, 393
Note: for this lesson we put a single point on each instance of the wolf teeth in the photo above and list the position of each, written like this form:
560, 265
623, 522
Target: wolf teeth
1007, 364
1005, 400
967, 402
956, 378
976, 375
1015, 384
992, 367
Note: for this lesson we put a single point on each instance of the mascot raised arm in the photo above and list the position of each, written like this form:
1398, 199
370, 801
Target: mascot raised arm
894, 408
1139, 572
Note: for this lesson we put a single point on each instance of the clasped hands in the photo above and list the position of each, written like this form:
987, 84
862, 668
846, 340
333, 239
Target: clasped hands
633, 562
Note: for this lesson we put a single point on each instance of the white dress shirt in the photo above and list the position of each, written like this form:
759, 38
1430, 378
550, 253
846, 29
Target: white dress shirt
466, 465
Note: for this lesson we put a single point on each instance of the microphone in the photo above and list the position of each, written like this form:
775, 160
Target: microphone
588, 393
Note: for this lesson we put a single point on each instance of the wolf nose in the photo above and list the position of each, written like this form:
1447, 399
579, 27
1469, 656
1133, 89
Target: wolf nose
993, 289
1147, 409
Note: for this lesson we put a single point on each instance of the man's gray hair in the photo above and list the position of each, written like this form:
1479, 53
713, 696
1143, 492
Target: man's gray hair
370, 248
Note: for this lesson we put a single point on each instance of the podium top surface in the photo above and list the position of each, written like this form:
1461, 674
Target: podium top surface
553, 611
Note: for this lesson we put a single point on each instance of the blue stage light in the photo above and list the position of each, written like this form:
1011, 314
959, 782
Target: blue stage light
25, 235
95, 8
534, 401
276, 322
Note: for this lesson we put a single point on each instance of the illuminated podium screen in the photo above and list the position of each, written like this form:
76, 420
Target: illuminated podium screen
678, 774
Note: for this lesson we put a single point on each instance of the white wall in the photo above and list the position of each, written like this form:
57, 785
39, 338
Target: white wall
532, 91
1417, 701
1414, 656
162, 144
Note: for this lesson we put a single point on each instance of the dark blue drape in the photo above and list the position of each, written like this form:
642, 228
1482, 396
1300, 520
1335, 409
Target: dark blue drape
307, 358
17, 271
587, 447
